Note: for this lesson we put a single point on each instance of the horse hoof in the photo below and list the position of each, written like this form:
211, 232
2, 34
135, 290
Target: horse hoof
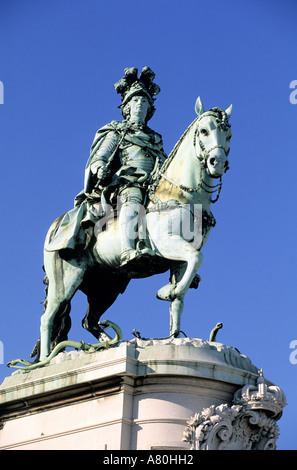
166, 293
176, 333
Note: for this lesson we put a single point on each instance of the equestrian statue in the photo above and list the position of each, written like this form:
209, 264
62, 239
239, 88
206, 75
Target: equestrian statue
140, 213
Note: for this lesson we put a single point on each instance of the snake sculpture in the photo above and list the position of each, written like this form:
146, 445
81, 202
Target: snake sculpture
110, 342
214, 332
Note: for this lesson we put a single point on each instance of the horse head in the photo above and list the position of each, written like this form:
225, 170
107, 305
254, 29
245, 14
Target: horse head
212, 138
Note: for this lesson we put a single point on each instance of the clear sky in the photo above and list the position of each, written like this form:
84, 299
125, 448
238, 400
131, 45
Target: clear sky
59, 60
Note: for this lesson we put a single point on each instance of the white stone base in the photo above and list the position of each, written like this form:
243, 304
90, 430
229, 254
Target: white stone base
136, 396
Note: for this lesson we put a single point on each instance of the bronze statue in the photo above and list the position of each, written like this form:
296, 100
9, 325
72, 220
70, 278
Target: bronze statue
140, 213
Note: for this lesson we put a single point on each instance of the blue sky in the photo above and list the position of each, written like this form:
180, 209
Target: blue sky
58, 63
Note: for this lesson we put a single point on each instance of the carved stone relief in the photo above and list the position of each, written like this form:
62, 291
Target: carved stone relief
249, 424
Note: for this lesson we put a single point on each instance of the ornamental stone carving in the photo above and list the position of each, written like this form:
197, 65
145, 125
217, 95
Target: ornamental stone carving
249, 424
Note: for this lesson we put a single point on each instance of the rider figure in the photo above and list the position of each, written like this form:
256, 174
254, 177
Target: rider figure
124, 156
136, 148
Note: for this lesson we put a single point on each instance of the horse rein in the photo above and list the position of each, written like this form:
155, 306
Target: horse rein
210, 189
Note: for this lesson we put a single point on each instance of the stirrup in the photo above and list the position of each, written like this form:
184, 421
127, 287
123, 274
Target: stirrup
128, 255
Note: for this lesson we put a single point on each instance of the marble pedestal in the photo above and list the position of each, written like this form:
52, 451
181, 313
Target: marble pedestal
139, 395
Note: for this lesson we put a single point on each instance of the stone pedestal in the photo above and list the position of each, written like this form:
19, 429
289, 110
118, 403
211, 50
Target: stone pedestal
139, 395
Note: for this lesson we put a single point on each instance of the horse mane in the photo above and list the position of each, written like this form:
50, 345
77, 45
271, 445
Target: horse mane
176, 147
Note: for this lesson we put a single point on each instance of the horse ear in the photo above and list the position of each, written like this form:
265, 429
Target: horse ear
199, 106
228, 111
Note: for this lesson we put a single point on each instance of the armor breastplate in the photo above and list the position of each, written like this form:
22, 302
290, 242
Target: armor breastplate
138, 157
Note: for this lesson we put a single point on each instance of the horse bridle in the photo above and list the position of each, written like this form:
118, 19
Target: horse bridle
210, 189
205, 153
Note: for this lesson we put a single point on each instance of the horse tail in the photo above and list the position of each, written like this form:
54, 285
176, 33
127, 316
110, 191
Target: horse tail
46, 283
36, 348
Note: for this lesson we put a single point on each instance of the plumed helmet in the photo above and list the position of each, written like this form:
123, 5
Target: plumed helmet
130, 85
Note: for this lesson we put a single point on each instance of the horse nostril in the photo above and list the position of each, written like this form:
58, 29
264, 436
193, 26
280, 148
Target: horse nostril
212, 161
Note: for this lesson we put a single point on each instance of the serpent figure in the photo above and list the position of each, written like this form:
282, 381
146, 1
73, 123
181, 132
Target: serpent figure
214, 332
110, 342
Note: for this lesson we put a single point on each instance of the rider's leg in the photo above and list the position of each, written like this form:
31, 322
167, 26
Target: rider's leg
131, 199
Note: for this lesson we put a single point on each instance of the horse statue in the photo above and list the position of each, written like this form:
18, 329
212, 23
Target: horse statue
180, 197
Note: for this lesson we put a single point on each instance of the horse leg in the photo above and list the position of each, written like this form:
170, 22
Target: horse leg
178, 249
60, 329
176, 310
92, 317
64, 279
102, 289
177, 305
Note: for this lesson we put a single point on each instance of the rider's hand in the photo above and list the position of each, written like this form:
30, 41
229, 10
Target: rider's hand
102, 173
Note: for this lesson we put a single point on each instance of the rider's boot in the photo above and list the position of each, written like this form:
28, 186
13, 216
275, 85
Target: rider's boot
128, 223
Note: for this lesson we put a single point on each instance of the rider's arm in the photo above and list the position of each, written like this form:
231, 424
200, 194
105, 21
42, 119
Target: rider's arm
102, 156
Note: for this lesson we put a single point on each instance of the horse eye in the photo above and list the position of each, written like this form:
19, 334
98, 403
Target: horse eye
204, 132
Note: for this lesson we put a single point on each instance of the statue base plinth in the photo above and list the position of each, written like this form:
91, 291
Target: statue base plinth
139, 395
